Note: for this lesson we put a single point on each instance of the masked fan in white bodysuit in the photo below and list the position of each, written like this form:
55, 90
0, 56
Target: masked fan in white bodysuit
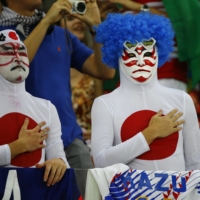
136, 124
24, 141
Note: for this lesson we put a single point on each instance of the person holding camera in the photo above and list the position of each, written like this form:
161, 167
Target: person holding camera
51, 54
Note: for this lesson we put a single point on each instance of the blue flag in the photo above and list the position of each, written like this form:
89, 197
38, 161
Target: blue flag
28, 184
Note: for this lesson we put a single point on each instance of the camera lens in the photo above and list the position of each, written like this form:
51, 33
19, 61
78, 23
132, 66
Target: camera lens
81, 7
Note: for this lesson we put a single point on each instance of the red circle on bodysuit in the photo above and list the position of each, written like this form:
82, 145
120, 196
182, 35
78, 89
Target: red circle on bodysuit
13, 35
10, 125
159, 148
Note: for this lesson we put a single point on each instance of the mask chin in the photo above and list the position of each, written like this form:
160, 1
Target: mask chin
15, 77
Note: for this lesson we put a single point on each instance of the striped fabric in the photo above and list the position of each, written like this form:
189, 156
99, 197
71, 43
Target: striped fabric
9, 18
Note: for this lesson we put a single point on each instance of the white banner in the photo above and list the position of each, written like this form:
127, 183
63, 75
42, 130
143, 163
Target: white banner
121, 183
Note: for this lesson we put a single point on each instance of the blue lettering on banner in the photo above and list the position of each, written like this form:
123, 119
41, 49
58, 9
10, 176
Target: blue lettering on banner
163, 177
144, 182
126, 184
128, 180
182, 184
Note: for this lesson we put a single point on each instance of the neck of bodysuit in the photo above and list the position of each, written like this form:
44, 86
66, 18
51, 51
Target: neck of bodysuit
12, 89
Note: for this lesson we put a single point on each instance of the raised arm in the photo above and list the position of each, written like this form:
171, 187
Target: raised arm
94, 66
136, 7
55, 13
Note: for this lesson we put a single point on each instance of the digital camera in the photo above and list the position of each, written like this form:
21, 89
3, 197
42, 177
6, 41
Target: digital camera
78, 6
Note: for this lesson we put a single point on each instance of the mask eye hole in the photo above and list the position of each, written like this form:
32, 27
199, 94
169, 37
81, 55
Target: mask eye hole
131, 55
6, 48
148, 54
129, 45
148, 43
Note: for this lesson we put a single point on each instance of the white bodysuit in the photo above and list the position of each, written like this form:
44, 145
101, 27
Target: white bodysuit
15, 105
119, 117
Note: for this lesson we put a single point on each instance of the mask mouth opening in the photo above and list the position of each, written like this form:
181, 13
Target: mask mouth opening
18, 67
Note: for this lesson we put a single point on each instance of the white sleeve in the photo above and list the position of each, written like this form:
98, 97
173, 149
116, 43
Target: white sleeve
191, 136
5, 155
54, 144
104, 153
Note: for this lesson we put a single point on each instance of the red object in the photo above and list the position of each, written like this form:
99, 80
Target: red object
13, 35
159, 148
173, 69
10, 125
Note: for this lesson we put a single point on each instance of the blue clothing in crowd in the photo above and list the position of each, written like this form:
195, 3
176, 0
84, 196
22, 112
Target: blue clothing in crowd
49, 76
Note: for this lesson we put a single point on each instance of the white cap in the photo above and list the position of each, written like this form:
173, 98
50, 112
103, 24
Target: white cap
9, 36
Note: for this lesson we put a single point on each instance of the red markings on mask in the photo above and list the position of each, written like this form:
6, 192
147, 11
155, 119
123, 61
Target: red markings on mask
5, 64
153, 53
139, 50
13, 35
141, 79
13, 60
126, 56
13, 54
19, 79
25, 64
130, 64
149, 63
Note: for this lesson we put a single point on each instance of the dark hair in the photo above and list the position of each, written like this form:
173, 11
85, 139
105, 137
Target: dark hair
4, 3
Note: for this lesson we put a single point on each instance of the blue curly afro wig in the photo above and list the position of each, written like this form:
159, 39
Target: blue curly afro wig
118, 28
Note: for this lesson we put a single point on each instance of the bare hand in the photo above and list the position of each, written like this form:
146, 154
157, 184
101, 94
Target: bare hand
92, 14
164, 126
57, 11
106, 7
32, 138
54, 170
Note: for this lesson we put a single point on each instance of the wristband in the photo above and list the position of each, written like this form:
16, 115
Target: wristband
144, 8
92, 32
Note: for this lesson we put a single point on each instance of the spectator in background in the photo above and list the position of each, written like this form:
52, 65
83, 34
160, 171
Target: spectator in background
106, 7
84, 88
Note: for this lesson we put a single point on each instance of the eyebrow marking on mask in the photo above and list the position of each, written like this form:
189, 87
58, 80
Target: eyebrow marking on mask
126, 56
139, 50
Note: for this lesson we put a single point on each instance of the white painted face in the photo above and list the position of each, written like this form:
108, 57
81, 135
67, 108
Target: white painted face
14, 63
139, 61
